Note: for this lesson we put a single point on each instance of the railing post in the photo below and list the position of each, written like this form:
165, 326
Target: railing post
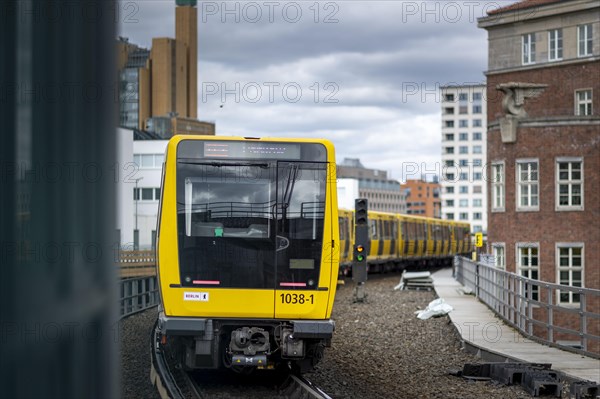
583, 320
550, 325
530, 308
476, 278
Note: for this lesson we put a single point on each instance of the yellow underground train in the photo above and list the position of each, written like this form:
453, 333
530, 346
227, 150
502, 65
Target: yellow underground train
248, 251
398, 240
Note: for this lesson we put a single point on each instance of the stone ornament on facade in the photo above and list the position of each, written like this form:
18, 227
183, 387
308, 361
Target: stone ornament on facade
515, 94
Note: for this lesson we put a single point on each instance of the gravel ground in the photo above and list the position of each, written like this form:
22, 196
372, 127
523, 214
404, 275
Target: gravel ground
135, 333
379, 350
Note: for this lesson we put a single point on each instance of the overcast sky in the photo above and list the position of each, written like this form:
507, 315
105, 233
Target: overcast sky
363, 74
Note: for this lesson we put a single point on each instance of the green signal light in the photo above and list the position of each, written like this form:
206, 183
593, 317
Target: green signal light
360, 258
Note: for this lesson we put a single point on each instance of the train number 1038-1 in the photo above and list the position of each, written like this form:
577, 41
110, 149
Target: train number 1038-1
297, 299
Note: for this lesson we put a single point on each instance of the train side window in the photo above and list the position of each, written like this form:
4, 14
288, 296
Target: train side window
373, 229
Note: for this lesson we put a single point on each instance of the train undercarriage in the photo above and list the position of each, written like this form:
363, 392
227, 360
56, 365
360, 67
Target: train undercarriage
244, 345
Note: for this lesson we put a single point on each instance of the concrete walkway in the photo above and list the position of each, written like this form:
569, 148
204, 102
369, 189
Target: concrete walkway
492, 340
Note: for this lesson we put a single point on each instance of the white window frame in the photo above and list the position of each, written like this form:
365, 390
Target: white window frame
570, 183
529, 184
555, 45
570, 268
498, 187
527, 54
520, 268
585, 102
587, 37
499, 261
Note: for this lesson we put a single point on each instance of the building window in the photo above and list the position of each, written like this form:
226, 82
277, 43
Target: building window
463, 97
450, 216
476, 189
463, 109
569, 259
528, 265
477, 176
449, 150
476, 149
476, 203
499, 252
477, 136
463, 162
464, 216
555, 45
449, 123
569, 184
477, 162
449, 163
476, 215
528, 56
498, 186
449, 137
463, 123
463, 203
476, 109
148, 161
583, 102
476, 96
463, 149
464, 176
463, 136
476, 122
449, 190
464, 189
477, 228
450, 177
584, 40
449, 202
449, 110
527, 185
448, 97
146, 194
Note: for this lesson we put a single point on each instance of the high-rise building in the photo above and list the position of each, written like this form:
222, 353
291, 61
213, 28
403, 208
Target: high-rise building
383, 194
543, 91
186, 32
161, 82
422, 198
464, 122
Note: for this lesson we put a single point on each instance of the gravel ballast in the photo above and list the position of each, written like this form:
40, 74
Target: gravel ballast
379, 350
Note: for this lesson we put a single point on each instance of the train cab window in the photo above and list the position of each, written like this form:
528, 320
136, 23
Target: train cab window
254, 223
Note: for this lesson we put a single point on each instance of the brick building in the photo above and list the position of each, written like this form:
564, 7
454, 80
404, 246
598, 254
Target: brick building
423, 198
543, 144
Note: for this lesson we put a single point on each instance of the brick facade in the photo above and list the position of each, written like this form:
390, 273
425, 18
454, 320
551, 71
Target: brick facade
551, 130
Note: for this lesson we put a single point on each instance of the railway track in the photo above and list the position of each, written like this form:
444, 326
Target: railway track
173, 383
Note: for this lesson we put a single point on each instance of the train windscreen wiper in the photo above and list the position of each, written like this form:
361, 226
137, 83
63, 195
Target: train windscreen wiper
219, 164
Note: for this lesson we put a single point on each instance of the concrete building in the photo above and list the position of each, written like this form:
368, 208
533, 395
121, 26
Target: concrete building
464, 121
161, 82
543, 91
384, 194
422, 198
140, 158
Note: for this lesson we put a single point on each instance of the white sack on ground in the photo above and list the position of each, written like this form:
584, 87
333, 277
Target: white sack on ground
436, 308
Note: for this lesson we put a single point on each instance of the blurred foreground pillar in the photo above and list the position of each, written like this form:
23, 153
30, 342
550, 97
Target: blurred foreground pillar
57, 111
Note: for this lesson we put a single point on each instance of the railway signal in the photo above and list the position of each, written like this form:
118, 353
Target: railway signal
361, 245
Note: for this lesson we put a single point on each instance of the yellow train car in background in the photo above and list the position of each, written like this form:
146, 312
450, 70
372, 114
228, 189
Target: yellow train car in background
398, 241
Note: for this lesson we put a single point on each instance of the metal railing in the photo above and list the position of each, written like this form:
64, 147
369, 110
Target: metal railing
137, 294
137, 263
535, 308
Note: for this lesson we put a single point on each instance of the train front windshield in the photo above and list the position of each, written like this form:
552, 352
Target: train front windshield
247, 219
